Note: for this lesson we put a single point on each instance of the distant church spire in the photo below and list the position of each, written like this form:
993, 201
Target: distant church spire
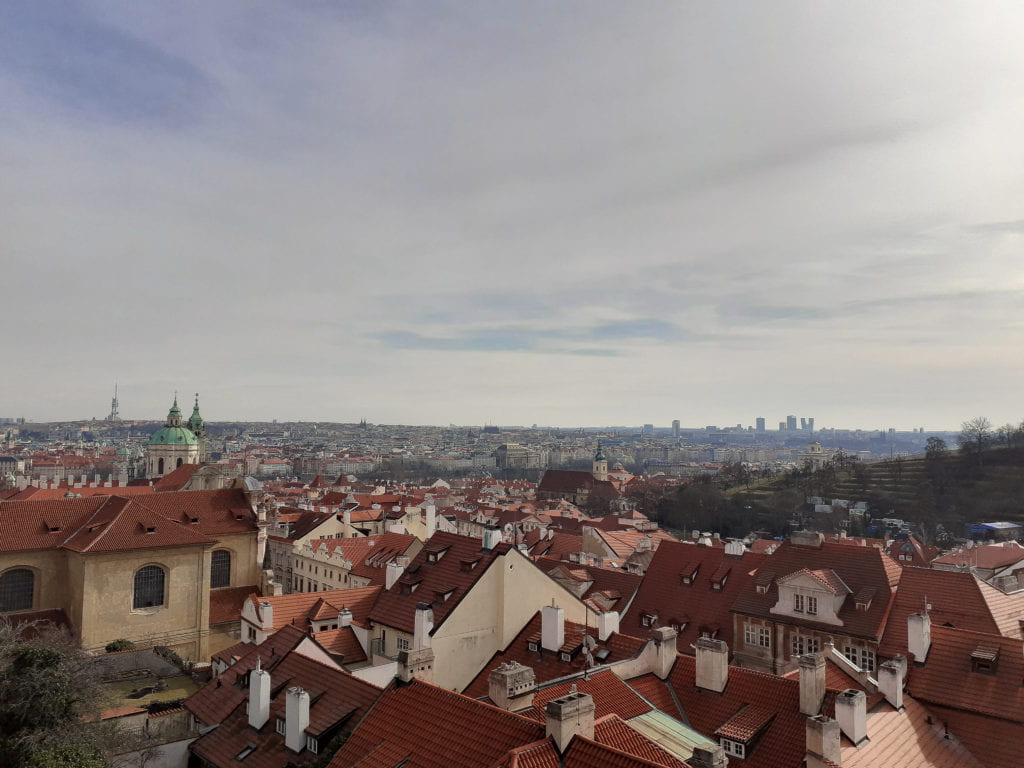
114, 415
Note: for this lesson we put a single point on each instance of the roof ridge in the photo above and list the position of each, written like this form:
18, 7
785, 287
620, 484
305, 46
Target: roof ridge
109, 524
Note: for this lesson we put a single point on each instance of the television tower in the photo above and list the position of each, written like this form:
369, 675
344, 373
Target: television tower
114, 416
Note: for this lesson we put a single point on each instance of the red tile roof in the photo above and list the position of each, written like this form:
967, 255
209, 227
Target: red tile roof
369, 555
396, 607
337, 698
610, 589
697, 605
299, 608
996, 743
955, 597
654, 690
548, 665
466, 732
226, 604
985, 556
341, 642
176, 480
611, 696
858, 567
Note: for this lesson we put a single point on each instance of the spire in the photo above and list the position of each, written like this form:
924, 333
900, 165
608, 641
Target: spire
174, 415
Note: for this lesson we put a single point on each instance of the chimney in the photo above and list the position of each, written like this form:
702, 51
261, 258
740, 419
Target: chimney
712, 664
852, 715
431, 520
735, 548
492, 537
552, 627
812, 683
708, 757
346, 518
416, 664
423, 623
266, 616
344, 617
296, 713
511, 686
570, 716
394, 570
823, 742
607, 623
891, 675
664, 640
259, 696
919, 636
807, 539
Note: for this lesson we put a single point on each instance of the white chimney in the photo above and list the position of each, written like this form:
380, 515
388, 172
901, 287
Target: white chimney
511, 686
552, 627
396, 528
607, 623
569, 716
423, 623
296, 713
492, 537
346, 518
735, 548
852, 715
823, 740
259, 696
890, 680
431, 520
344, 617
712, 664
812, 683
919, 636
266, 616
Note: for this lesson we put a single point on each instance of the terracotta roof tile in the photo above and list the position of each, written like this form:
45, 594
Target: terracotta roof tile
226, 604
299, 608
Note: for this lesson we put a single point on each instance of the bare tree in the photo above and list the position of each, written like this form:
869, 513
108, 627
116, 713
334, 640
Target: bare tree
975, 437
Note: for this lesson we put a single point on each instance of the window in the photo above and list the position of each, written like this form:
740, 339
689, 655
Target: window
566, 657
734, 748
532, 646
17, 587
180, 462
754, 634
160, 471
648, 619
149, 587
804, 644
403, 644
812, 606
311, 744
867, 659
798, 604
281, 725
220, 569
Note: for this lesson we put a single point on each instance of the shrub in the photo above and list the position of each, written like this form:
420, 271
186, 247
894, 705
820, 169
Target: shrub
119, 645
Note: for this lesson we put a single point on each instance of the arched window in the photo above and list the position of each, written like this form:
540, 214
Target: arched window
160, 467
16, 590
149, 587
180, 462
220, 569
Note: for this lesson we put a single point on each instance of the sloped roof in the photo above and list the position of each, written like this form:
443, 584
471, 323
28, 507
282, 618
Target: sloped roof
175, 480
611, 696
226, 604
857, 567
449, 575
299, 608
985, 556
369, 555
698, 605
606, 583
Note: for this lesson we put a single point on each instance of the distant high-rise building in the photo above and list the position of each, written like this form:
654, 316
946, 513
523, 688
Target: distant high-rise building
782, 426
648, 429
760, 423
810, 424
675, 428
791, 423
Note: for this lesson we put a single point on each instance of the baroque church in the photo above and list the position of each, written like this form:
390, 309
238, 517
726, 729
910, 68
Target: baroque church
177, 442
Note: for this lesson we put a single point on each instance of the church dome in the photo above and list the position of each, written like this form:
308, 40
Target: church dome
173, 436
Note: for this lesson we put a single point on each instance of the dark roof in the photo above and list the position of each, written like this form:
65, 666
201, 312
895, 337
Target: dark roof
857, 567
609, 589
697, 605
448, 564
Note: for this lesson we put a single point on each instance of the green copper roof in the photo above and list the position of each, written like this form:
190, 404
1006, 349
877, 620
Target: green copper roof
173, 436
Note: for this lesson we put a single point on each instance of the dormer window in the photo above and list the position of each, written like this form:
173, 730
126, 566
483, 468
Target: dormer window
799, 604
812, 606
280, 725
150, 529
984, 659
734, 748
532, 646
566, 657
762, 589
649, 619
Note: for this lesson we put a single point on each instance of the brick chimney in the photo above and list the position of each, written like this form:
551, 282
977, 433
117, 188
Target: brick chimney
891, 675
423, 623
259, 696
570, 716
823, 742
812, 683
552, 627
511, 686
807, 539
919, 636
607, 623
852, 715
296, 713
712, 664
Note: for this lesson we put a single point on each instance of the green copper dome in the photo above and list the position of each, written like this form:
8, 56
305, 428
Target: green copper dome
173, 436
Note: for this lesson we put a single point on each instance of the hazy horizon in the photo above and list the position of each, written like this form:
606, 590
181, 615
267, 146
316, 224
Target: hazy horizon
573, 213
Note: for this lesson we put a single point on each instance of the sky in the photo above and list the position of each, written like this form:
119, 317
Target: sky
514, 213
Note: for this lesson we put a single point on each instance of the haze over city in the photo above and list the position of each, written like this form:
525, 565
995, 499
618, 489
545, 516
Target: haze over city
524, 213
